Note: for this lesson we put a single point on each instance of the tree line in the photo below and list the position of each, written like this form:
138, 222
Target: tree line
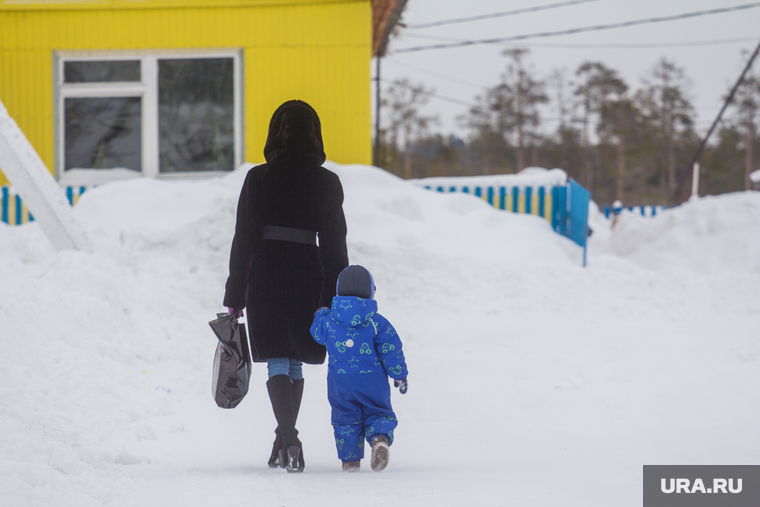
621, 143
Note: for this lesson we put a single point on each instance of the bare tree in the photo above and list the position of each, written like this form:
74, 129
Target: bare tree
488, 121
598, 83
406, 123
558, 80
509, 110
521, 94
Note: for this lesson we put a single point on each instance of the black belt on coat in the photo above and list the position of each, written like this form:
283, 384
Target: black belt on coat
289, 234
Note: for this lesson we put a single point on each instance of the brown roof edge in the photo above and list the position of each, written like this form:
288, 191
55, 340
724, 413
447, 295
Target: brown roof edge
385, 15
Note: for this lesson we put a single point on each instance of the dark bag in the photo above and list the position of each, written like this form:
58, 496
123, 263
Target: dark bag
232, 361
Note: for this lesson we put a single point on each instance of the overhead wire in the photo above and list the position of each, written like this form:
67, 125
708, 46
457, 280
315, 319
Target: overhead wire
436, 74
609, 46
498, 14
450, 99
479, 108
433, 94
581, 29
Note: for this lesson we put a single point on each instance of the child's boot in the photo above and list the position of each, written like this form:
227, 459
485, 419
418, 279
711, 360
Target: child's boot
351, 466
379, 453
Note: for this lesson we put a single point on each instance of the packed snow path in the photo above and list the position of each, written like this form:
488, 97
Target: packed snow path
532, 381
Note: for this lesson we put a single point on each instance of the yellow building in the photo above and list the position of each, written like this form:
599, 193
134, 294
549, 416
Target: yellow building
185, 86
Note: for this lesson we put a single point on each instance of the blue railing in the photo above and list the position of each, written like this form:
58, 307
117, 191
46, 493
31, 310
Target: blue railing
644, 211
565, 207
530, 200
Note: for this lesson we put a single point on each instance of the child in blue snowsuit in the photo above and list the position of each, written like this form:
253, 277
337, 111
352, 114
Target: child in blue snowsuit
364, 350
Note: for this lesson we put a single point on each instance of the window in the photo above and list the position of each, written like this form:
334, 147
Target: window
195, 115
103, 133
160, 114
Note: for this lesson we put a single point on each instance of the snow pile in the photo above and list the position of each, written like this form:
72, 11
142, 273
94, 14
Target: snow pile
532, 380
529, 177
702, 236
88, 177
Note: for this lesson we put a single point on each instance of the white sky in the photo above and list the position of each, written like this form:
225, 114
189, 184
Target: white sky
462, 73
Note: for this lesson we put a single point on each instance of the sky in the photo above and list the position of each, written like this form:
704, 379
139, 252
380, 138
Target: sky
463, 73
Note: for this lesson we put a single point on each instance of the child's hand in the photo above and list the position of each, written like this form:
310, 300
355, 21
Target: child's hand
401, 384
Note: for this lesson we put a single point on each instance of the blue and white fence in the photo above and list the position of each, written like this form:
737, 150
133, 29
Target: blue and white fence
644, 211
13, 211
545, 193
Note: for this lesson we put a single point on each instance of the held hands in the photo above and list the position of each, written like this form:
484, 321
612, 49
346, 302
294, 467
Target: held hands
401, 384
238, 313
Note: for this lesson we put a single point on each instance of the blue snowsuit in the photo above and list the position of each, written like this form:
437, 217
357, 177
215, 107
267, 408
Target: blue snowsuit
364, 350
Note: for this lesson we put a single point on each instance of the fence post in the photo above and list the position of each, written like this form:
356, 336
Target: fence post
695, 180
4, 202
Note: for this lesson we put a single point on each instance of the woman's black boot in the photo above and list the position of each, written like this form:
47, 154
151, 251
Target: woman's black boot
274, 461
278, 457
281, 393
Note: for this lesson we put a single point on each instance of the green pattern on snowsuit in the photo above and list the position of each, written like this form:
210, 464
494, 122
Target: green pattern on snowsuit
358, 339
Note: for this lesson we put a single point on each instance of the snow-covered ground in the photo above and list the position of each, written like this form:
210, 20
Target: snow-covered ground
533, 381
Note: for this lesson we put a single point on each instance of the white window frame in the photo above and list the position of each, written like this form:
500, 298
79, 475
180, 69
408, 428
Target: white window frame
147, 90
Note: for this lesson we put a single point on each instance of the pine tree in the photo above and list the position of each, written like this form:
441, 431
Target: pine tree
663, 101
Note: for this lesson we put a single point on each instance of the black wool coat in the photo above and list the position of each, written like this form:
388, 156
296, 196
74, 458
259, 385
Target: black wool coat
281, 283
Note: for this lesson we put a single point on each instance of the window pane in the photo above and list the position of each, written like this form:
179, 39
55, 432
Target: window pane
195, 115
101, 71
103, 133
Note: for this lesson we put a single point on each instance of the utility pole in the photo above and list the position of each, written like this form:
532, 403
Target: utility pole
677, 195
376, 151
392, 10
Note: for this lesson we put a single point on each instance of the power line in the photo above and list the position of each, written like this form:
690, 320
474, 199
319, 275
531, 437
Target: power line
582, 29
476, 107
455, 101
498, 14
644, 46
612, 46
436, 74
435, 95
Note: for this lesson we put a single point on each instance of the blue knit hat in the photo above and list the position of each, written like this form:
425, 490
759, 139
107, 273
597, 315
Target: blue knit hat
356, 281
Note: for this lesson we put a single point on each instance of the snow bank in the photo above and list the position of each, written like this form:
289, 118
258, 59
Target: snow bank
87, 177
528, 177
703, 236
532, 380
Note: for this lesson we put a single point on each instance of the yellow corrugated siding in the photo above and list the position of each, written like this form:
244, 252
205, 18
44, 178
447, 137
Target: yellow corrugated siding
26, 89
316, 51
47, 5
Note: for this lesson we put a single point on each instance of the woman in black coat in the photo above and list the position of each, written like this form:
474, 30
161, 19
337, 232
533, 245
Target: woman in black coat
288, 250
